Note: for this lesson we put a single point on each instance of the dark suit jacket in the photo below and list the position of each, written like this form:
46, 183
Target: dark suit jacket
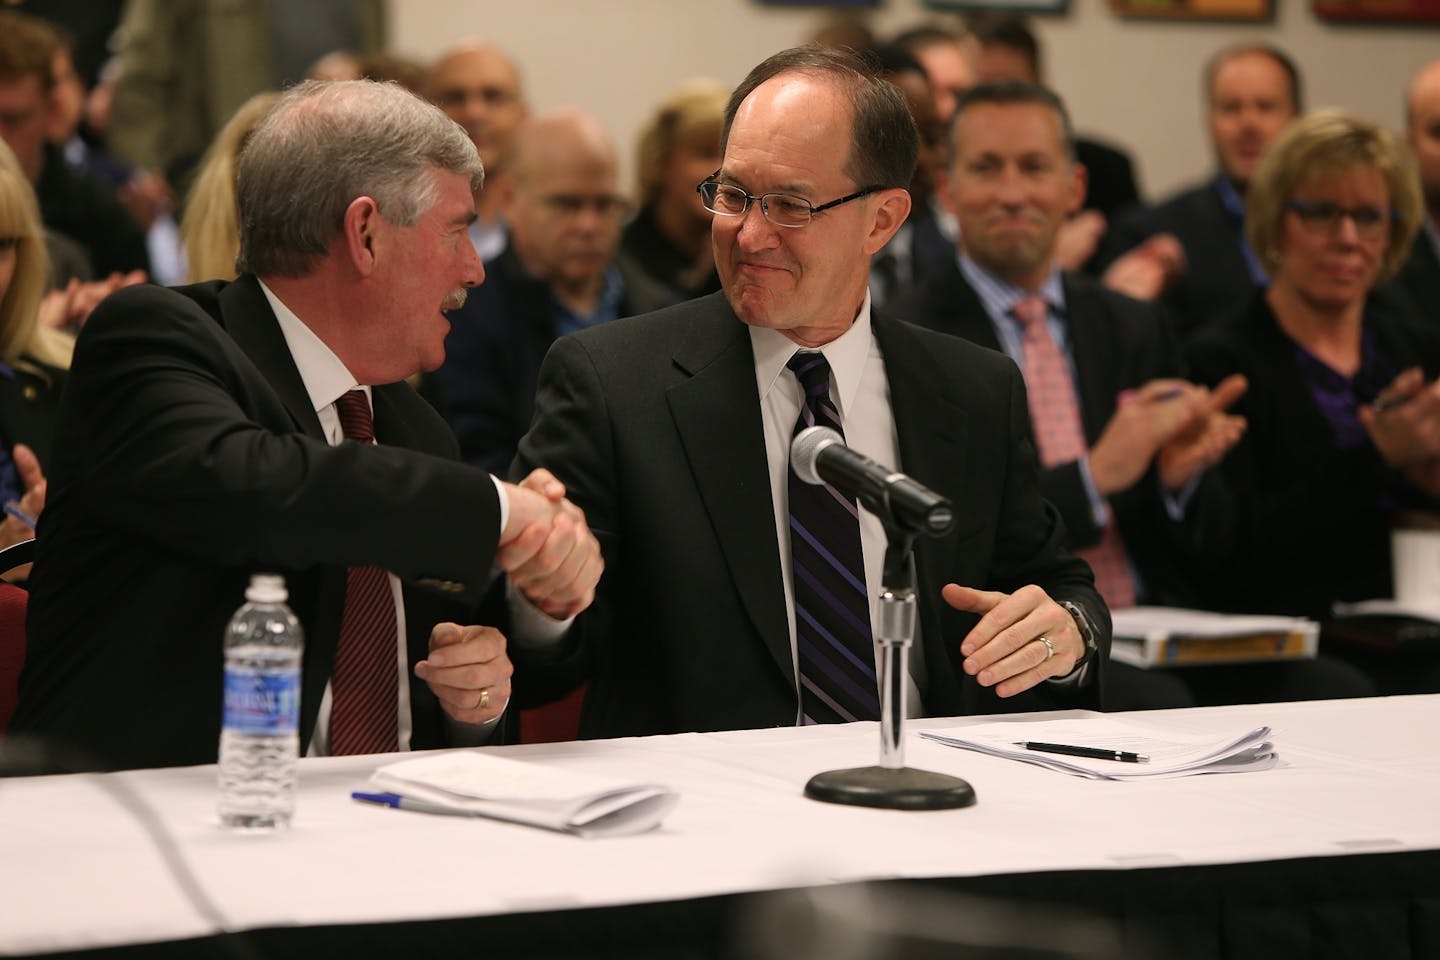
654, 425
1110, 176
1419, 279
1314, 520
188, 456
29, 404
1217, 279
1118, 344
486, 387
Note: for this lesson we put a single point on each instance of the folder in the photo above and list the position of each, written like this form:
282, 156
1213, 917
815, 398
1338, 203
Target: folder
1148, 637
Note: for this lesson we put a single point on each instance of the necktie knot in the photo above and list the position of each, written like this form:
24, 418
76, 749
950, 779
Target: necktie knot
356, 421
813, 372
1030, 311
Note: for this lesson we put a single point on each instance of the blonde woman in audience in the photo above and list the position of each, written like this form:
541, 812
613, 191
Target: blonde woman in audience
209, 228
665, 249
33, 358
1343, 407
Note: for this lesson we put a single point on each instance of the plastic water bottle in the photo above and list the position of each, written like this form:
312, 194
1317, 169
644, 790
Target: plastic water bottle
259, 734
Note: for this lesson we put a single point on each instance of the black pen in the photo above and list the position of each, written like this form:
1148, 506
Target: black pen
1093, 753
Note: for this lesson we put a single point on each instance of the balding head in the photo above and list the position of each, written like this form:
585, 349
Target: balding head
478, 86
1422, 128
566, 211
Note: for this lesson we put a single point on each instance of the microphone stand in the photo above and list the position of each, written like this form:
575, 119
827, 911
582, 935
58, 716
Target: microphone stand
891, 784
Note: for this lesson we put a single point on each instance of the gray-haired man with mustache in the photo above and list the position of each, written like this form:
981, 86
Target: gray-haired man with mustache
215, 431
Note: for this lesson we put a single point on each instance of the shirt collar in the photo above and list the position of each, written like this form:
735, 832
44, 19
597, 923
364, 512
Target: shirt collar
1234, 203
324, 375
1000, 296
846, 355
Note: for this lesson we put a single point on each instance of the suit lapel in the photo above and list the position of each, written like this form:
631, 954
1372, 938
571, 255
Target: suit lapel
716, 410
247, 317
958, 310
931, 427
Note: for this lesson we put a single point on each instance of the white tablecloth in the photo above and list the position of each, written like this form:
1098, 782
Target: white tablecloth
78, 870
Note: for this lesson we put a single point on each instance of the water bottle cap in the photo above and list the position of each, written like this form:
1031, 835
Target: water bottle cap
266, 588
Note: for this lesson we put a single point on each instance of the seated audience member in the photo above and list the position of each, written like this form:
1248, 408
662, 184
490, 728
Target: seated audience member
1327, 460
71, 201
1007, 49
665, 249
736, 596
946, 61
925, 243
556, 275
217, 430
478, 86
210, 228
1419, 278
1252, 91
1124, 441
33, 359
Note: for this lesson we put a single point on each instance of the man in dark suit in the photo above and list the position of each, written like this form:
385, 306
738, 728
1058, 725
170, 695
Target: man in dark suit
1419, 278
1252, 93
1131, 488
672, 431
206, 434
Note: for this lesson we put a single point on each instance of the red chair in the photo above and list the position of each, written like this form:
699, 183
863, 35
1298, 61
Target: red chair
555, 722
13, 601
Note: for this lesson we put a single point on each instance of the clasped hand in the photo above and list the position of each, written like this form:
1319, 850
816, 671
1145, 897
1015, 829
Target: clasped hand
1004, 649
547, 548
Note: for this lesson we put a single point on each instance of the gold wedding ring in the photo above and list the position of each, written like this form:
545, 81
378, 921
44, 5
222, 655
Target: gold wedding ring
484, 699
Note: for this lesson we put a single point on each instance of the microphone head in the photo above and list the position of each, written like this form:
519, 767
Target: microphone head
805, 451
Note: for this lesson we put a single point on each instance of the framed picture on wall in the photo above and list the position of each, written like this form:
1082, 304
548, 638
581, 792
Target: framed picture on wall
1009, 6
1247, 10
1378, 10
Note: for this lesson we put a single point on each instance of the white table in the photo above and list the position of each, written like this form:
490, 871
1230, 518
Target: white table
77, 870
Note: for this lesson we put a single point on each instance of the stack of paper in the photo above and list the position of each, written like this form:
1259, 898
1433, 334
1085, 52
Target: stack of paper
470, 783
1167, 755
1175, 637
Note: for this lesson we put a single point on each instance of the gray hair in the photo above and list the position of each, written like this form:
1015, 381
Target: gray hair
323, 145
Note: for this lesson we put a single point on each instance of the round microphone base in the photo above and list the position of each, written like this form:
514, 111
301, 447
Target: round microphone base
893, 789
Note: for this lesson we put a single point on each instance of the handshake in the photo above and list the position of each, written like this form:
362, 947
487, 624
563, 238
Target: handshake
547, 548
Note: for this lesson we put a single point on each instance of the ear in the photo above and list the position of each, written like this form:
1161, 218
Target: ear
890, 213
362, 219
1079, 184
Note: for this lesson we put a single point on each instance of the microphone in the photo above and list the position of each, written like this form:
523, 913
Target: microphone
819, 455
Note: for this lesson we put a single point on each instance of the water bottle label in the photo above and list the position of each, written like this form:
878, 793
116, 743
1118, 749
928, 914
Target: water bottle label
261, 701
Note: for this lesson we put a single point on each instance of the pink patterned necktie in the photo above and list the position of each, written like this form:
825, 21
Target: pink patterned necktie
1060, 438
364, 699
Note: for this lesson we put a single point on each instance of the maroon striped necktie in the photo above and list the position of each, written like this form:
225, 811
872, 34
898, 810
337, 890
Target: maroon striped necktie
364, 707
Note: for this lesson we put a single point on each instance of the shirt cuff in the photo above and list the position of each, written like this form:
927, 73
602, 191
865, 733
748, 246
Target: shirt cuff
504, 500
460, 734
1177, 503
530, 626
1099, 509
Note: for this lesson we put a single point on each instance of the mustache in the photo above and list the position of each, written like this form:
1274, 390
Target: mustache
455, 300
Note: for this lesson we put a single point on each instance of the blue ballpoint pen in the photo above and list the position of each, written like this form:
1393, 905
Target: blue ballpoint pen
407, 803
13, 508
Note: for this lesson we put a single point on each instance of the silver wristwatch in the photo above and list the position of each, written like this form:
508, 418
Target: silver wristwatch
1087, 630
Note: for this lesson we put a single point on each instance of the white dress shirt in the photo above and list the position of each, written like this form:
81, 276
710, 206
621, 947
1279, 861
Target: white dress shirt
861, 393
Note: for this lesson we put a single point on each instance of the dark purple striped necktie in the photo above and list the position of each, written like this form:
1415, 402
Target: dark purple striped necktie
832, 608
364, 710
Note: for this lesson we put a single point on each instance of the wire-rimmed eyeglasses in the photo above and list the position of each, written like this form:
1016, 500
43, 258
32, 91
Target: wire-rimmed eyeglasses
781, 209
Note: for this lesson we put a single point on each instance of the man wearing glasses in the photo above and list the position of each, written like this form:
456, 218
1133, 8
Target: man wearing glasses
734, 597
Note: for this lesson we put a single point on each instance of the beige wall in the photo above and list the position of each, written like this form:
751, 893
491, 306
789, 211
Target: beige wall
1135, 83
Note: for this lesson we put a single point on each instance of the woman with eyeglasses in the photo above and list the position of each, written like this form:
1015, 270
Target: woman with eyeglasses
1343, 408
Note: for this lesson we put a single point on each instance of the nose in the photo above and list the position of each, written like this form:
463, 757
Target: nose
1010, 187
1346, 230
474, 267
755, 231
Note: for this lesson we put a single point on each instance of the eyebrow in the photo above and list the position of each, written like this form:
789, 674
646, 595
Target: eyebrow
792, 187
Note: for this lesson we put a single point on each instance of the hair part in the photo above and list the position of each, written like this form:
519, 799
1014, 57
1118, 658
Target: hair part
327, 143
1011, 92
1328, 143
884, 143
1280, 57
